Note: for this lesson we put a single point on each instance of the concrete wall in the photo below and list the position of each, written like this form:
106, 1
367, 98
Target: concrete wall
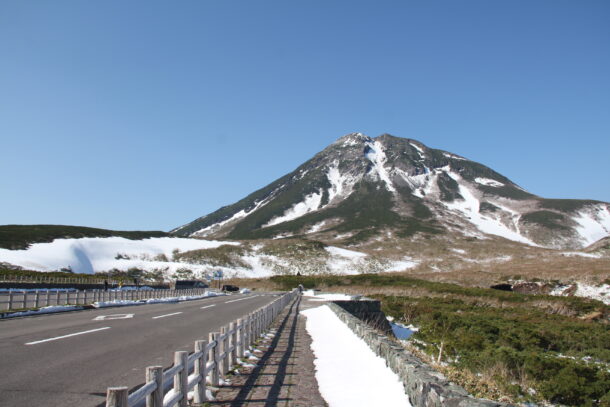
425, 386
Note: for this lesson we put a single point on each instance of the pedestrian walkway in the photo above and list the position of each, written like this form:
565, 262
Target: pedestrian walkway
284, 374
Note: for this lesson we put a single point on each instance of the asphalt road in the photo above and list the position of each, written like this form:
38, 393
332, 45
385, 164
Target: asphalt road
69, 359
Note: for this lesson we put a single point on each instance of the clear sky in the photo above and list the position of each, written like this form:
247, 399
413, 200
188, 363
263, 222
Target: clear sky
148, 114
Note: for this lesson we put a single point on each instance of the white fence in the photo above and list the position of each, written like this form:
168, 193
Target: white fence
19, 299
210, 361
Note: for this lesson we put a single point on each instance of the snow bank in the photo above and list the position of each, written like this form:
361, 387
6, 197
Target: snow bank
90, 255
327, 296
124, 303
347, 371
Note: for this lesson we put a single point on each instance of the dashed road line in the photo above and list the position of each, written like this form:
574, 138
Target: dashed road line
208, 306
67, 336
241, 299
167, 315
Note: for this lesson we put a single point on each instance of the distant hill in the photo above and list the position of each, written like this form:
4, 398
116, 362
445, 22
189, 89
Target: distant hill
16, 237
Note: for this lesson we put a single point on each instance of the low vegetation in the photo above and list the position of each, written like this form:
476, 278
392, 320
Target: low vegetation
497, 344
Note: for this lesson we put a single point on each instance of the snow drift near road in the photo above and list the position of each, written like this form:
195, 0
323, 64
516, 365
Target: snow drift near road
90, 255
348, 372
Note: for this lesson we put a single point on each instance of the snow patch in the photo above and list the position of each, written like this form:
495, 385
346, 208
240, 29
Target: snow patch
455, 157
401, 265
310, 203
469, 207
418, 148
316, 227
238, 215
351, 254
327, 296
377, 156
488, 182
593, 224
345, 380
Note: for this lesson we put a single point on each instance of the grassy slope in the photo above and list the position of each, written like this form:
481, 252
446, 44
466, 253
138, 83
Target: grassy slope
21, 236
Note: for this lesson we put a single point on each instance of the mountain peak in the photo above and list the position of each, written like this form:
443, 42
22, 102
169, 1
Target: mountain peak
352, 139
361, 187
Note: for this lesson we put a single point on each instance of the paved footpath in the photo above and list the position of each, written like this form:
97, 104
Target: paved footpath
284, 374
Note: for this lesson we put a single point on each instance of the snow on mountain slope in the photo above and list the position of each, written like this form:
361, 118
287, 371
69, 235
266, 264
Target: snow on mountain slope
310, 203
470, 205
360, 186
593, 224
90, 255
376, 155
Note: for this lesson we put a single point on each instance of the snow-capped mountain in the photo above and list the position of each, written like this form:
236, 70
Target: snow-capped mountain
360, 188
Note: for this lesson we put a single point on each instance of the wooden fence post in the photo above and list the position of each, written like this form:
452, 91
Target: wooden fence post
155, 374
200, 372
116, 397
181, 378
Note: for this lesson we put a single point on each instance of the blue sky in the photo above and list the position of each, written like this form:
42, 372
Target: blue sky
148, 114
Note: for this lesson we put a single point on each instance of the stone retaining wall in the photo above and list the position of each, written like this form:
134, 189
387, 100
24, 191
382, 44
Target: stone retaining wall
425, 386
368, 312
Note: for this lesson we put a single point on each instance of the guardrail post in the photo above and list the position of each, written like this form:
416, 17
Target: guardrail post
155, 374
200, 372
25, 300
37, 299
224, 365
233, 343
116, 397
10, 300
181, 378
214, 356
239, 345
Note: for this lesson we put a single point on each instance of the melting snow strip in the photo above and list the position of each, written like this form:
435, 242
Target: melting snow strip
347, 370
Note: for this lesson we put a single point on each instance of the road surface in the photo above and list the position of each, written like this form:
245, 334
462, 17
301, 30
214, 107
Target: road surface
69, 359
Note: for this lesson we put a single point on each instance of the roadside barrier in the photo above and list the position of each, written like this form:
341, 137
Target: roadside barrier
210, 361
20, 299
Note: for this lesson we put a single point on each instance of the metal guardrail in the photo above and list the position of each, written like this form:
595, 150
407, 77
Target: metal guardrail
21, 299
44, 279
210, 360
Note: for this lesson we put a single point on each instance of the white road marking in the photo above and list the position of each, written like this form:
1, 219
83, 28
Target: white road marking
241, 299
114, 316
208, 306
167, 315
67, 336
